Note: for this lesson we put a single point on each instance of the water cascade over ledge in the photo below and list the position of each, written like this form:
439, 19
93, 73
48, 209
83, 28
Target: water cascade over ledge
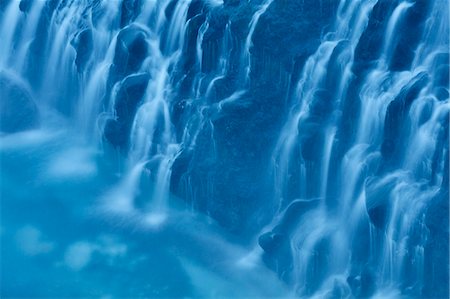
224, 148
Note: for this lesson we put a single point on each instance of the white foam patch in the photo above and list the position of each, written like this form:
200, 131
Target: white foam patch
73, 162
30, 241
207, 284
119, 203
119, 200
112, 248
251, 259
26, 139
387, 294
154, 220
214, 3
78, 255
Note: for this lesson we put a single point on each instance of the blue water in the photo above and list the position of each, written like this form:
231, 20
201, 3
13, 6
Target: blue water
59, 239
224, 148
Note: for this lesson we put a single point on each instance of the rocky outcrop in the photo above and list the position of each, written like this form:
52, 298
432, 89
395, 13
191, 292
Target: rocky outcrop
83, 44
131, 50
126, 101
18, 111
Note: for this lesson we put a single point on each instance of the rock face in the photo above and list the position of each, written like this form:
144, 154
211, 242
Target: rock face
251, 122
277, 243
83, 44
18, 111
396, 117
131, 50
126, 86
130, 93
321, 127
437, 248
377, 197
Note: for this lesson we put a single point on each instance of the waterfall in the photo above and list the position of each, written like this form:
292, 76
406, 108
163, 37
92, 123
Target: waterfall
248, 40
308, 141
400, 207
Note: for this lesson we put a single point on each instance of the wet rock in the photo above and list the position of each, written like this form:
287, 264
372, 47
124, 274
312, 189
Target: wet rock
446, 171
340, 289
36, 59
441, 93
83, 43
298, 24
3, 5
25, 5
130, 52
210, 56
179, 168
362, 285
129, 11
195, 8
361, 246
371, 42
220, 89
293, 214
342, 52
128, 97
271, 242
439, 165
18, 111
212, 40
114, 132
395, 119
231, 2
170, 9
410, 35
277, 243
378, 200
277, 254
190, 45
442, 76
436, 280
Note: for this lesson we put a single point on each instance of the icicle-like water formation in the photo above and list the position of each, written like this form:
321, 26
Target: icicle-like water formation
224, 148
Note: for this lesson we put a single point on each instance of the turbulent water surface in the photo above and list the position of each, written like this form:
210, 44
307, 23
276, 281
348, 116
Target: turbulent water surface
224, 148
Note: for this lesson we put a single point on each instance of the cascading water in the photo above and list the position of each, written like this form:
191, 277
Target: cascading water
311, 135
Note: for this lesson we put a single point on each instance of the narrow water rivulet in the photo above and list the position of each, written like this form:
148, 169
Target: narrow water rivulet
224, 148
